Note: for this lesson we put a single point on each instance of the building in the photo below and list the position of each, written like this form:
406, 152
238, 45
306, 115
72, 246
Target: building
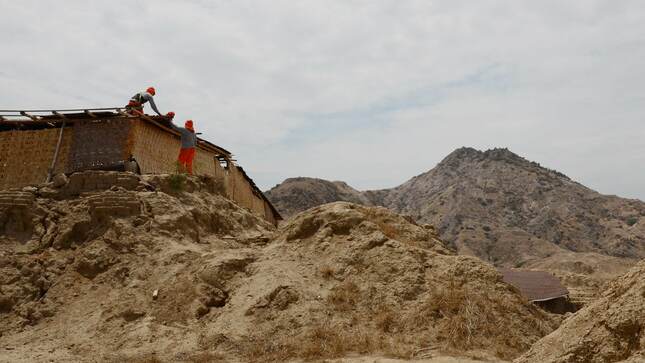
35, 145
541, 288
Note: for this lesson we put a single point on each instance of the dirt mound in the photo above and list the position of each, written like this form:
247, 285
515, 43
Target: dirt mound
79, 263
346, 278
148, 270
610, 329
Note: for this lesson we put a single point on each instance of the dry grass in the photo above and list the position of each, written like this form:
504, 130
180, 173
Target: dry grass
327, 340
469, 318
201, 357
148, 358
388, 230
456, 317
344, 296
327, 272
206, 357
386, 321
385, 226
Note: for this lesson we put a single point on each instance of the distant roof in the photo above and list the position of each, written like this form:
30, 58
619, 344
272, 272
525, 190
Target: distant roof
535, 285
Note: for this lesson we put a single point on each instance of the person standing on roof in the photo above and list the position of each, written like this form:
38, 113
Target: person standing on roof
188, 142
135, 106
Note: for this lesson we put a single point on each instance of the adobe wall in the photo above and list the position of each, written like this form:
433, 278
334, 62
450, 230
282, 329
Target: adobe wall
26, 155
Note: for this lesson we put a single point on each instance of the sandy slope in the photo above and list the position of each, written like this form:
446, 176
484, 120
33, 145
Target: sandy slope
611, 329
79, 271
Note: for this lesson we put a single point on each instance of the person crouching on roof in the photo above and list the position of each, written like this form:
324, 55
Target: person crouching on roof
188, 142
135, 106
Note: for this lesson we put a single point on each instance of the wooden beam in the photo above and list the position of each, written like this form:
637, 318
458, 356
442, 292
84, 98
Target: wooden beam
123, 113
32, 117
147, 118
59, 114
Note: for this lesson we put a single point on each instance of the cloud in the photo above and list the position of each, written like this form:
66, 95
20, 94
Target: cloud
370, 92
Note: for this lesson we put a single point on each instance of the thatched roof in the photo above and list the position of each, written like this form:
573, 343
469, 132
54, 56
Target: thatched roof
535, 285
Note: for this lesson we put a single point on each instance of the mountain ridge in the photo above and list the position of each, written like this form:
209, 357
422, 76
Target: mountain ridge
496, 205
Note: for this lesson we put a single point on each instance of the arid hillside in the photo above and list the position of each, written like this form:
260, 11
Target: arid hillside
295, 195
502, 208
611, 329
114, 267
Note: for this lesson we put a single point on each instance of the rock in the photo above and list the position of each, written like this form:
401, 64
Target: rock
278, 299
95, 259
60, 180
30, 189
132, 314
211, 296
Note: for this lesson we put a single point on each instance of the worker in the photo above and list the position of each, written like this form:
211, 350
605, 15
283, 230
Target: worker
135, 106
188, 142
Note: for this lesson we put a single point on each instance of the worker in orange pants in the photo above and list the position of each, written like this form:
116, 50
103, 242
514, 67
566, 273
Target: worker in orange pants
188, 142
186, 157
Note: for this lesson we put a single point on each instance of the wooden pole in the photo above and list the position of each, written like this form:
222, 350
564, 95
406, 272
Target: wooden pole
50, 174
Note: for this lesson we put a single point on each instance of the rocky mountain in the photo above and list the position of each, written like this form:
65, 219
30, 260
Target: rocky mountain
295, 195
498, 206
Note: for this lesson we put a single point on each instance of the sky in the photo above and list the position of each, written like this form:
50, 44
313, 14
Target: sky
367, 92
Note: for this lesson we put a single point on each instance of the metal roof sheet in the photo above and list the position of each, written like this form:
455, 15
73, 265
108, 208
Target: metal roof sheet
535, 285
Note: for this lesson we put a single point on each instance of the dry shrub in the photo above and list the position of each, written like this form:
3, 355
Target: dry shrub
327, 272
388, 230
386, 227
324, 340
176, 182
205, 357
469, 318
344, 296
148, 358
385, 320
275, 349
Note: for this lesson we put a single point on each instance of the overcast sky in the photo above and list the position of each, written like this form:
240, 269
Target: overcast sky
368, 92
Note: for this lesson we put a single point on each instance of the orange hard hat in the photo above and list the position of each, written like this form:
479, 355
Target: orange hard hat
170, 114
189, 124
151, 90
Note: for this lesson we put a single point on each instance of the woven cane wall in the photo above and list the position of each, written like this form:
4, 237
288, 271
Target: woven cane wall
99, 144
156, 151
25, 156
241, 191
